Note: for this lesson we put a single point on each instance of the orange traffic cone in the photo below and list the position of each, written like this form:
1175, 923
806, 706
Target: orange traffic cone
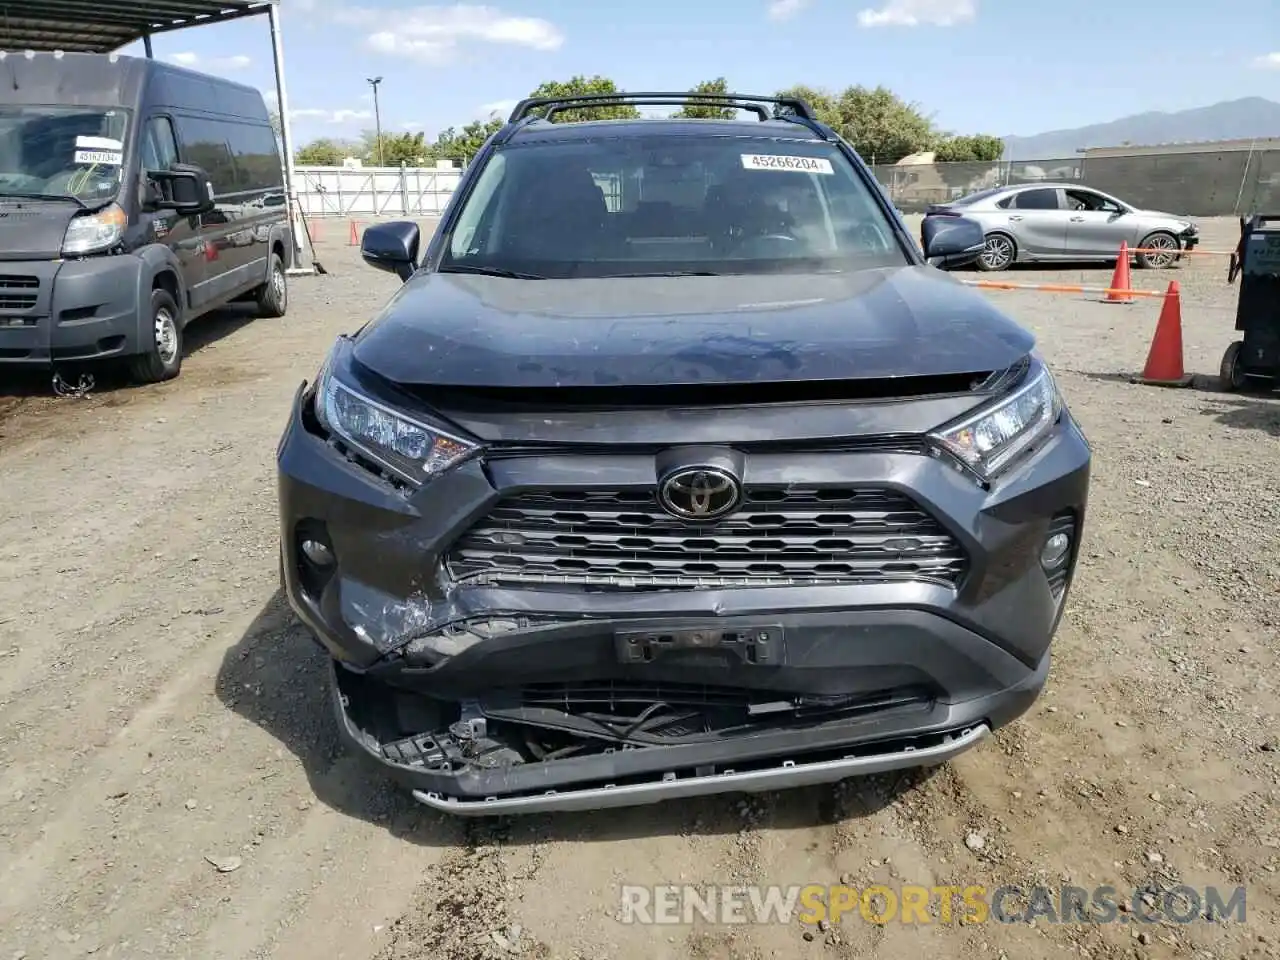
1164, 361
354, 241
1120, 279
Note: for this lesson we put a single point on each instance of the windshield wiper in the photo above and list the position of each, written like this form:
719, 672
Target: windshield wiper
65, 197
489, 272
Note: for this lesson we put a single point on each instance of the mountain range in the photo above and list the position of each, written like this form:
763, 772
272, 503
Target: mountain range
1230, 120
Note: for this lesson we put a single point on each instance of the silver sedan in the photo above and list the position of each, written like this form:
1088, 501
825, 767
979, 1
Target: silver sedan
1067, 222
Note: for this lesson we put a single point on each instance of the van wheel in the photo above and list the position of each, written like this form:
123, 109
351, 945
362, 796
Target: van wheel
273, 296
161, 357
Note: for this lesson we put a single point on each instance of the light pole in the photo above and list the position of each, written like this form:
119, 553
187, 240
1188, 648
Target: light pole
377, 115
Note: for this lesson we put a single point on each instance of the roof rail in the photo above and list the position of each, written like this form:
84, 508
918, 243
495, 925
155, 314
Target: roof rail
737, 101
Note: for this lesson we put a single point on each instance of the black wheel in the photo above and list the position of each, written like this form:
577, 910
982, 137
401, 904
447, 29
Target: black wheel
273, 296
998, 253
1161, 251
161, 356
1231, 373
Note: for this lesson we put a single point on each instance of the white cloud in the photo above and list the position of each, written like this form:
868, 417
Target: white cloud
434, 33
1268, 61
195, 61
347, 116
335, 117
915, 13
502, 108
411, 126
786, 9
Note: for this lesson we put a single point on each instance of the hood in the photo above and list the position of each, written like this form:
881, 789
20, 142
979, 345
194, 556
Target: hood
454, 330
33, 229
1162, 215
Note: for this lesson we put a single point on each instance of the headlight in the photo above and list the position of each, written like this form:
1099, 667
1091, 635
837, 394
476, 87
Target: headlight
413, 451
94, 232
988, 440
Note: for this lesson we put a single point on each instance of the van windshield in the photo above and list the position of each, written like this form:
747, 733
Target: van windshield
618, 206
59, 151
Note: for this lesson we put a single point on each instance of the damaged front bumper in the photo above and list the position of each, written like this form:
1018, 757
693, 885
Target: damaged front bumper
606, 733
489, 699
464, 771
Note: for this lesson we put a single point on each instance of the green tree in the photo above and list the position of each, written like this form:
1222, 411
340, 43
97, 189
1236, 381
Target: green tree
464, 144
397, 148
323, 153
880, 125
695, 111
821, 102
978, 147
581, 85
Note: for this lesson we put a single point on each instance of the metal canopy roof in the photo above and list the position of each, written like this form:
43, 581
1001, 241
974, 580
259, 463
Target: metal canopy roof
101, 26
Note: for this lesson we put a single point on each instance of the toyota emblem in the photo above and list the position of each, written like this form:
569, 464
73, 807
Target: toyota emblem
700, 493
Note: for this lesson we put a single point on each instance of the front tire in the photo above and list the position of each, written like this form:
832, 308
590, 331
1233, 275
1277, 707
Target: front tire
998, 253
273, 296
1231, 375
1165, 251
162, 357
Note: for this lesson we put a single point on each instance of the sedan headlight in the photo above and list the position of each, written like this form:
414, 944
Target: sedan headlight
990, 439
94, 232
408, 448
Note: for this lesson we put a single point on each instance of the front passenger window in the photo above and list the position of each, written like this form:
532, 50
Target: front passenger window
159, 145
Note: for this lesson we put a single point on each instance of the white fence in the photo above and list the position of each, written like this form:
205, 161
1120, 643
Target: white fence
375, 191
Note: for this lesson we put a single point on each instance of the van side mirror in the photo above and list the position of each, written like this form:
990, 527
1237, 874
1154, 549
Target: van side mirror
951, 242
184, 188
392, 247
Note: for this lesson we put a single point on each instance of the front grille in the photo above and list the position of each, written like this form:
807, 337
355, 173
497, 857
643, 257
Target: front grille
623, 540
18, 293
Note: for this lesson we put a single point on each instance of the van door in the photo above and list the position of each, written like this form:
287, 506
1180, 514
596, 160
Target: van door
179, 234
203, 142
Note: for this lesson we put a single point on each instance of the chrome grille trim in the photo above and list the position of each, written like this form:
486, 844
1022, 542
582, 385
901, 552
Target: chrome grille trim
780, 536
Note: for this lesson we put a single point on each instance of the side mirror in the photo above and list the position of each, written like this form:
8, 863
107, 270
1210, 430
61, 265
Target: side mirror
951, 242
184, 188
392, 247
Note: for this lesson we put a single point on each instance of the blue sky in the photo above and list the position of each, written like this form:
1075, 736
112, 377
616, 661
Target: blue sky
993, 66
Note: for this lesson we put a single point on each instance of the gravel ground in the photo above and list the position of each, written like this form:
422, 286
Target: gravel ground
170, 783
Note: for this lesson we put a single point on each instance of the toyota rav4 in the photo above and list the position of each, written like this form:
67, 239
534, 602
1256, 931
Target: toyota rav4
676, 467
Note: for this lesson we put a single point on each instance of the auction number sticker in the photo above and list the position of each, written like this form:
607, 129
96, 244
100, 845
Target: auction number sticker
771, 161
103, 150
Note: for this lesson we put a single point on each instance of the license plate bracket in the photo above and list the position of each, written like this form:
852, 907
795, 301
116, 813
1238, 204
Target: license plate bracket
760, 646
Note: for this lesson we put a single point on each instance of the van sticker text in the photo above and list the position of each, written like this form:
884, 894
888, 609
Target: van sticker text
755, 161
99, 143
108, 158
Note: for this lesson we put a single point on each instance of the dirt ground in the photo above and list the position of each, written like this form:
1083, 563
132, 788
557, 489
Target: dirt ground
161, 714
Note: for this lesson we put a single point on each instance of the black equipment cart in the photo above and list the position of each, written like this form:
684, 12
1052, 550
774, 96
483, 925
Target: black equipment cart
1254, 362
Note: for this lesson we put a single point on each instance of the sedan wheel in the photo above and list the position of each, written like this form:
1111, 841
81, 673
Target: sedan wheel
997, 253
1160, 251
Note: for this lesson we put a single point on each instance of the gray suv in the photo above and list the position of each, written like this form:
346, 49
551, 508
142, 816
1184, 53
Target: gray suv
676, 468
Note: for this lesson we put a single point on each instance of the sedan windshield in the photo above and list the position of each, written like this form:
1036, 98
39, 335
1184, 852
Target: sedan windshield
662, 205
60, 151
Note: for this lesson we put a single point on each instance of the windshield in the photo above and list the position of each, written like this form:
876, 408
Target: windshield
628, 206
61, 151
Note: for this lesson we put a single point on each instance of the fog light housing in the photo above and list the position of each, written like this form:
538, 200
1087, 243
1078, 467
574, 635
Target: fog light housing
1055, 551
318, 552
315, 559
